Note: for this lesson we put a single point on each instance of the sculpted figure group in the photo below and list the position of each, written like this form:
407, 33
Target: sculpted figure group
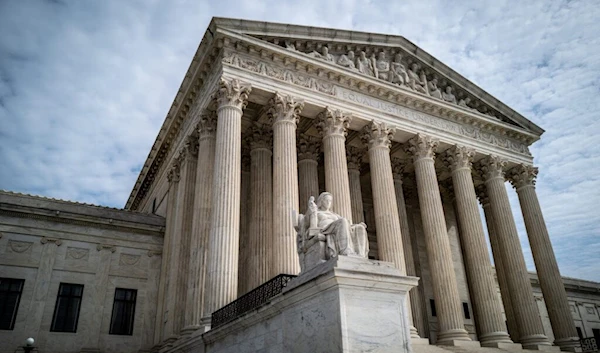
391, 71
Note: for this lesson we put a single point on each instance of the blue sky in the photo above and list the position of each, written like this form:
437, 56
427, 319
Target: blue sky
85, 86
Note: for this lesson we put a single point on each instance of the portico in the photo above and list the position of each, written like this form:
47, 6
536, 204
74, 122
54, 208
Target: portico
300, 105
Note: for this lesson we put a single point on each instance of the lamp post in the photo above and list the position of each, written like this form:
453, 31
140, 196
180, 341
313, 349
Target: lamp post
28, 347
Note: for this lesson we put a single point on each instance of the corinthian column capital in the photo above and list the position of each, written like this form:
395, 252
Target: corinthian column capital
207, 126
354, 156
233, 93
333, 122
174, 173
458, 157
378, 134
522, 175
491, 167
482, 195
259, 137
422, 146
308, 148
189, 149
284, 109
398, 168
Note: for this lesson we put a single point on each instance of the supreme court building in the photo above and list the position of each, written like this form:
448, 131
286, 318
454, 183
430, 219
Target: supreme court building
267, 116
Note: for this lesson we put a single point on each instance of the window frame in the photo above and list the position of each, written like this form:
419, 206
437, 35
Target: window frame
133, 303
3, 305
70, 297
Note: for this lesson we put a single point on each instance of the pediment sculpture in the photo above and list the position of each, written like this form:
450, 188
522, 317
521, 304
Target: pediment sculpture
323, 234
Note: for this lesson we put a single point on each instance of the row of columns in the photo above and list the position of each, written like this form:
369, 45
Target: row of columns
292, 173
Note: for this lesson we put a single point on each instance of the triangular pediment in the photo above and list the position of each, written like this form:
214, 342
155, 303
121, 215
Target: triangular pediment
391, 59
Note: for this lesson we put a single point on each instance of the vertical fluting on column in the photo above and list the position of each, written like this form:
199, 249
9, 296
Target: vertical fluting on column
284, 112
201, 218
223, 242
511, 323
245, 203
170, 255
333, 125
445, 288
261, 206
415, 303
308, 173
521, 294
523, 178
188, 160
486, 306
354, 156
378, 137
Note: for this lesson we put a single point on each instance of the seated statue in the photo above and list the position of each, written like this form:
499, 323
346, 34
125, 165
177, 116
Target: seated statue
323, 234
347, 60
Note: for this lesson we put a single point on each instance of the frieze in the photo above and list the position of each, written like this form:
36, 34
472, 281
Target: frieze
442, 124
19, 246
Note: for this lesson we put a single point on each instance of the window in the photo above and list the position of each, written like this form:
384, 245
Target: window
466, 310
10, 295
66, 311
432, 304
596, 333
123, 312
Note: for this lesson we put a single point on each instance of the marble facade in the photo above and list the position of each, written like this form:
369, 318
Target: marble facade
271, 114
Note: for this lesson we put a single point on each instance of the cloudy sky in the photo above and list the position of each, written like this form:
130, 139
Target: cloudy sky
85, 86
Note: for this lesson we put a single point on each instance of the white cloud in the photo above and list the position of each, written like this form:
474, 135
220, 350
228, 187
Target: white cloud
85, 86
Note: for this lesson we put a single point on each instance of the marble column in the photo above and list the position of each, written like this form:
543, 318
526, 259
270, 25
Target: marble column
260, 233
245, 202
523, 179
445, 288
169, 266
223, 241
188, 161
511, 323
354, 156
491, 330
308, 172
206, 130
333, 125
418, 316
378, 137
521, 294
284, 112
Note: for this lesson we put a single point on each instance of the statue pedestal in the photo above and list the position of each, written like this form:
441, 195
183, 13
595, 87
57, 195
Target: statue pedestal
346, 304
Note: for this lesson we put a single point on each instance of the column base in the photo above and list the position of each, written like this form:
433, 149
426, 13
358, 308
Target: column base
538, 342
447, 338
492, 339
503, 345
570, 344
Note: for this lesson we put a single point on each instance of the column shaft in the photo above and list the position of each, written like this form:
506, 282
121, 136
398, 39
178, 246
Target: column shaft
223, 247
486, 306
513, 328
445, 288
245, 203
284, 111
521, 294
261, 208
333, 125
201, 219
308, 173
354, 157
553, 288
418, 317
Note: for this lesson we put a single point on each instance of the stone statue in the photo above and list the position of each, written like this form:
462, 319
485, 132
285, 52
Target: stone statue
290, 46
364, 64
465, 103
347, 60
323, 55
448, 96
416, 82
323, 234
383, 67
434, 90
399, 75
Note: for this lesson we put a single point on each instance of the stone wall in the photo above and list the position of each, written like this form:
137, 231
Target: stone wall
47, 242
